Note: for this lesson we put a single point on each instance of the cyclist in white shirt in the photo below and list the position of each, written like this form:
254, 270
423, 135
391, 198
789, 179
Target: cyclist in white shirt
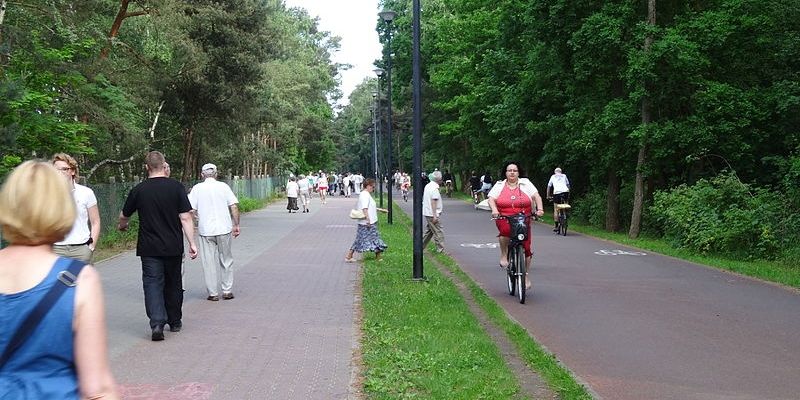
558, 192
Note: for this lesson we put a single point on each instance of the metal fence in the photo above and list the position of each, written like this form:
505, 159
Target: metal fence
111, 196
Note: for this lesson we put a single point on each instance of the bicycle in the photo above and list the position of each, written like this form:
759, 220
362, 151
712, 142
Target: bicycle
448, 188
516, 269
404, 191
562, 220
476, 197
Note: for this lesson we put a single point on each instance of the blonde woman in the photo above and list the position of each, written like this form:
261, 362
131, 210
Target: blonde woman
64, 356
81, 240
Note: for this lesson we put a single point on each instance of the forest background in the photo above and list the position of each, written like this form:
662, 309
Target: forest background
672, 118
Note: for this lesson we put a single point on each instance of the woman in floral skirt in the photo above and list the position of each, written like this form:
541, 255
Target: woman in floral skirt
367, 237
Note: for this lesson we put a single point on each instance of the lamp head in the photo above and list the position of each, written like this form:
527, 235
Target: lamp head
378, 71
387, 16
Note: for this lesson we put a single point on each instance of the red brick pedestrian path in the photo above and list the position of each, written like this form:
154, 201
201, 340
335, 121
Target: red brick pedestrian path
290, 333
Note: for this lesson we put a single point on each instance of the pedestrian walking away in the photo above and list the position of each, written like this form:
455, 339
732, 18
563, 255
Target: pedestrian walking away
303, 188
53, 330
368, 239
81, 241
432, 211
292, 191
164, 211
217, 213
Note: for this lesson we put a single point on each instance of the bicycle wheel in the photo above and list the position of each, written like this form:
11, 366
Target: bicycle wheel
562, 223
519, 260
511, 277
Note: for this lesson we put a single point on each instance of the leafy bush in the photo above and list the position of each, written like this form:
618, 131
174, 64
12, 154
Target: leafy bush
247, 204
727, 217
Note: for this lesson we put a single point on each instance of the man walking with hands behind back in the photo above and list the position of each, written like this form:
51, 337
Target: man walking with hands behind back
432, 211
217, 221
163, 211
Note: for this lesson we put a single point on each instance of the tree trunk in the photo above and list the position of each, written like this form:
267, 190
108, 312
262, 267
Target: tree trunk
612, 202
123, 11
188, 143
638, 196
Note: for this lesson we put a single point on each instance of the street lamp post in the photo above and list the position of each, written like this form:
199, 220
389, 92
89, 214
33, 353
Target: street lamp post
375, 134
388, 17
378, 180
416, 77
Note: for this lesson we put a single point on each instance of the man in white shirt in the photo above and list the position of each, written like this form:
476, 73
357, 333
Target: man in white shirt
558, 192
217, 211
357, 181
432, 210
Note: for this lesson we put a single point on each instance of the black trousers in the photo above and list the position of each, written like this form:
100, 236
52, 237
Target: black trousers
163, 289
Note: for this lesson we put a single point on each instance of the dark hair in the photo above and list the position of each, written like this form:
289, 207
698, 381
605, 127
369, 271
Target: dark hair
519, 168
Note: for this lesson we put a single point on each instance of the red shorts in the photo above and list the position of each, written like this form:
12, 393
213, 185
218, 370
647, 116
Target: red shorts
505, 230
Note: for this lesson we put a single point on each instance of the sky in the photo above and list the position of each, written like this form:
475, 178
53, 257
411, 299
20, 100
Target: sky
354, 21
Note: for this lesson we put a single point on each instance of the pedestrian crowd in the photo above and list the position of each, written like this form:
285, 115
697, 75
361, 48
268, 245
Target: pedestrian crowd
54, 341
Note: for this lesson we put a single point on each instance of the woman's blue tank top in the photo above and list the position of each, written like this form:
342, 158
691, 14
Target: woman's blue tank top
44, 366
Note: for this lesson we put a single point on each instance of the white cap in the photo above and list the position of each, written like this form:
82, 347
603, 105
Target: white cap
558, 170
209, 167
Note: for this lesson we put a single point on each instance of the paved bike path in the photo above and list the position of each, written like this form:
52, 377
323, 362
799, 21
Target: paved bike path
640, 325
290, 333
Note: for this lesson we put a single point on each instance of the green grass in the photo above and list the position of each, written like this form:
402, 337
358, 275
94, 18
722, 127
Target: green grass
420, 339
115, 242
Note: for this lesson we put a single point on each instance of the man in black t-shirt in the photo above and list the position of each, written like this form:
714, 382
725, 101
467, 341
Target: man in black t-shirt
164, 211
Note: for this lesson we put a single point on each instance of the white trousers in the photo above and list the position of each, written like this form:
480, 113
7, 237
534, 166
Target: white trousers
217, 260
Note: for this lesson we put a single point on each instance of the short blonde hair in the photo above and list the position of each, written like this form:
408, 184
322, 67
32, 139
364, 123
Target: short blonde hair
36, 206
67, 159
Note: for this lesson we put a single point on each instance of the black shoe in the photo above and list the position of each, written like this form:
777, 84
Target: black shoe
158, 333
175, 327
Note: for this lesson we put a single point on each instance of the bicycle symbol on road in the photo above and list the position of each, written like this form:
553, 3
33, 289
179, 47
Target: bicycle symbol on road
619, 253
480, 245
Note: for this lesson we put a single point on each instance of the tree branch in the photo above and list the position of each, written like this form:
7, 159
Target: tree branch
108, 161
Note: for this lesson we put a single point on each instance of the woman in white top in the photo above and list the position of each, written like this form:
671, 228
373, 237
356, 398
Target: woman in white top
80, 242
367, 237
508, 197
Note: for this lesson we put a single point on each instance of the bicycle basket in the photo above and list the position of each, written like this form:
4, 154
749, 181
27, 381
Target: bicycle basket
519, 227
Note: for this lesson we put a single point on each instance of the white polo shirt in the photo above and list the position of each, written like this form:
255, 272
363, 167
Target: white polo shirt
559, 183
525, 185
431, 192
84, 200
212, 200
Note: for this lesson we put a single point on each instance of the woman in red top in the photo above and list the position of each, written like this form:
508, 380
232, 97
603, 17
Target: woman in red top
511, 196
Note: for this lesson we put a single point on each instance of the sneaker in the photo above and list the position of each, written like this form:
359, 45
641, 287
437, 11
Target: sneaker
212, 298
158, 333
227, 296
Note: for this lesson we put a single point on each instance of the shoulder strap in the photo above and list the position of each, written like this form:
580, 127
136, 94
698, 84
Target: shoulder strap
67, 278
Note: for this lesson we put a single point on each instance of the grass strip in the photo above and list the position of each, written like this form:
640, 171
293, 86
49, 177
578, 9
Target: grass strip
116, 242
557, 376
420, 339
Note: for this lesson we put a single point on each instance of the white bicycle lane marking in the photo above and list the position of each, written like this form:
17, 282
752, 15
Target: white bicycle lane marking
619, 253
480, 245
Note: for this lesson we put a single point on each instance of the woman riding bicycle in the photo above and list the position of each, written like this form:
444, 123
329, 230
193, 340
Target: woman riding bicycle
511, 196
